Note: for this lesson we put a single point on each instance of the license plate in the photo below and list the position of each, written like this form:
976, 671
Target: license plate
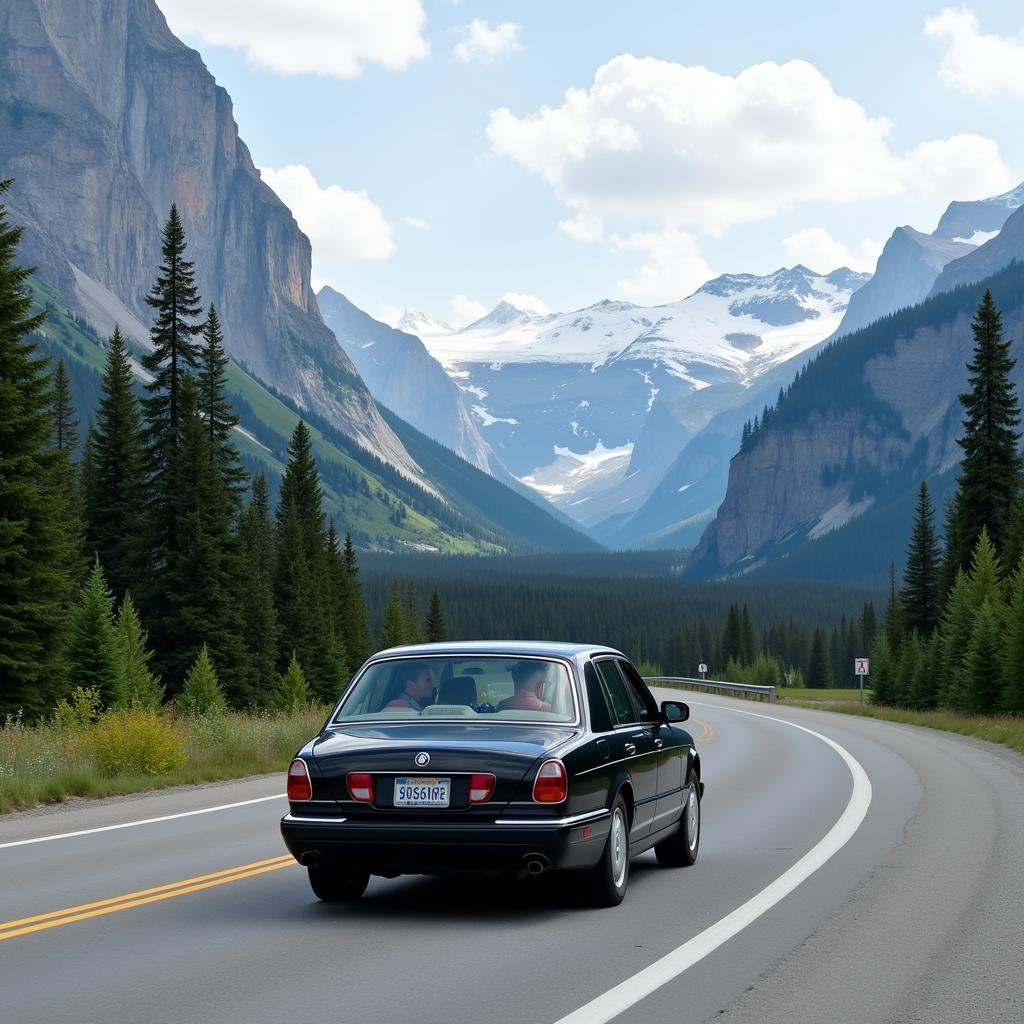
422, 791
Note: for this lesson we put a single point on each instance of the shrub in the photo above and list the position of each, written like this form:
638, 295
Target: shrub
82, 710
291, 692
136, 742
202, 694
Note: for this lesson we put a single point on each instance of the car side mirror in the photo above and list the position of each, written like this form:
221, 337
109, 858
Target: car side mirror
674, 711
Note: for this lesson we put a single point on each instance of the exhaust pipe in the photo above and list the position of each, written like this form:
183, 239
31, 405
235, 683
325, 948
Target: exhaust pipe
537, 863
310, 859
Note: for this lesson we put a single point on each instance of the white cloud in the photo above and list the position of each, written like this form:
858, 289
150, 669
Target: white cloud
673, 267
388, 314
526, 302
418, 223
584, 227
342, 226
465, 311
975, 63
961, 167
308, 37
817, 249
480, 42
657, 142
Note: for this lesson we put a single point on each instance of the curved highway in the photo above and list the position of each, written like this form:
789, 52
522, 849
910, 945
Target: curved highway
141, 910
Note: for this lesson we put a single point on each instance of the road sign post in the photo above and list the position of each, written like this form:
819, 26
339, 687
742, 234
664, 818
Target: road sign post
860, 670
703, 670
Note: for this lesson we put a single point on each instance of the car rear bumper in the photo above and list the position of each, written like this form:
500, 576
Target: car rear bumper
387, 848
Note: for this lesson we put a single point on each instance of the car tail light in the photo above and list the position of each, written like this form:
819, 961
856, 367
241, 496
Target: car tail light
481, 787
551, 786
360, 787
300, 787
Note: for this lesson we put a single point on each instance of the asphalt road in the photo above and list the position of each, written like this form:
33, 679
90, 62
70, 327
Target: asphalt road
919, 916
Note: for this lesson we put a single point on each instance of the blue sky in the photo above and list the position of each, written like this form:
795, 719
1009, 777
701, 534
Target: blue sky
425, 170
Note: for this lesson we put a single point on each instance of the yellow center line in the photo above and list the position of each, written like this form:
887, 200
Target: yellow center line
41, 922
708, 733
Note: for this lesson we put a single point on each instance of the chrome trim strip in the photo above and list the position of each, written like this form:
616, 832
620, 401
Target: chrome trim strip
575, 819
621, 760
313, 821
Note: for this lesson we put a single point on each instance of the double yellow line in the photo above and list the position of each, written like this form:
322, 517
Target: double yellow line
56, 918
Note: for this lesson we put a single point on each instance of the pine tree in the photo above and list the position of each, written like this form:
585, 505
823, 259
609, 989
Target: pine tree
291, 692
883, 671
413, 614
175, 299
201, 694
868, 626
115, 481
990, 480
37, 533
982, 676
907, 667
748, 638
954, 638
732, 637
986, 572
394, 630
922, 692
819, 674
93, 655
259, 616
65, 423
920, 593
358, 643
1013, 649
141, 688
202, 573
894, 626
437, 627
302, 584
218, 412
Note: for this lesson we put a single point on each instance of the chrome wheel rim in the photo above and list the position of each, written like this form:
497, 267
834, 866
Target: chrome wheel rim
693, 819
619, 848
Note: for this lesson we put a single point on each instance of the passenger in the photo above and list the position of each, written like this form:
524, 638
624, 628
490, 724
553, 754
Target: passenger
417, 687
529, 678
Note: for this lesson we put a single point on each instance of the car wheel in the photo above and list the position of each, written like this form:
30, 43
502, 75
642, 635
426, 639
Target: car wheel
680, 850
605, 884
334, 884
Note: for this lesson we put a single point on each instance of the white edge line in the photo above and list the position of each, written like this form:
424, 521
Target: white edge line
143, 821
629, 992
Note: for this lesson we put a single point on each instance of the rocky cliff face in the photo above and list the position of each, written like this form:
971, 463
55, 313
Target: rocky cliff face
875, 414
106, 119
988, 259
402, 375
905, 273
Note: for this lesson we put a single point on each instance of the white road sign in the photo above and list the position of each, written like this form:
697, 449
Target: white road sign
702, 669
860, 667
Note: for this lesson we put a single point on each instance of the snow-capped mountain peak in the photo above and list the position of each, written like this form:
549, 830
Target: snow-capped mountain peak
416, 322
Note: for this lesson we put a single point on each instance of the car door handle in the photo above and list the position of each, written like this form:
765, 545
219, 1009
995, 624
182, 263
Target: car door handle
659, 743
630, 748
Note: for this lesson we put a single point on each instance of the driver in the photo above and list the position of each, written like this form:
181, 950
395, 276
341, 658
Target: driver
529, 678
417, 687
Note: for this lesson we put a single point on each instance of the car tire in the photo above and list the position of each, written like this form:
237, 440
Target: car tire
605, 884
681, 848
334, 884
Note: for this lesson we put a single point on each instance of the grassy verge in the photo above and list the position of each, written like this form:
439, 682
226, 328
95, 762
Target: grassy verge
46, 764
1006, 730
805, 694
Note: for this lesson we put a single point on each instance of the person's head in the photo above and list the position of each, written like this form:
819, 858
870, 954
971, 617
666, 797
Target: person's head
529, 676
417, 681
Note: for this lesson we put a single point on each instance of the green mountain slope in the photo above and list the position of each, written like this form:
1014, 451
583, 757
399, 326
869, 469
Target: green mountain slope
364, 495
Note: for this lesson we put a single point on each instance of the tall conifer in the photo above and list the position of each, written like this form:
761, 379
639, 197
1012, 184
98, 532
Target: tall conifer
437, 627
259, 616
37, 537
115, 482
820, 670
990, 480
920, 592
65, 422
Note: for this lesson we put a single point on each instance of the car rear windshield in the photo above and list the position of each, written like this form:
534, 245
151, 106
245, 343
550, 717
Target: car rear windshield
491, 688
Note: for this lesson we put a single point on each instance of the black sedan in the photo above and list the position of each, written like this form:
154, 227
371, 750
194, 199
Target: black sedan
516, 758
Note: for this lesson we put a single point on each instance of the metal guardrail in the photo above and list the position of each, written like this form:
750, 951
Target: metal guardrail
716, 686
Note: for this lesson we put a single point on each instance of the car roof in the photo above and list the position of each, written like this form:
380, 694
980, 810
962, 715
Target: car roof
516, 648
